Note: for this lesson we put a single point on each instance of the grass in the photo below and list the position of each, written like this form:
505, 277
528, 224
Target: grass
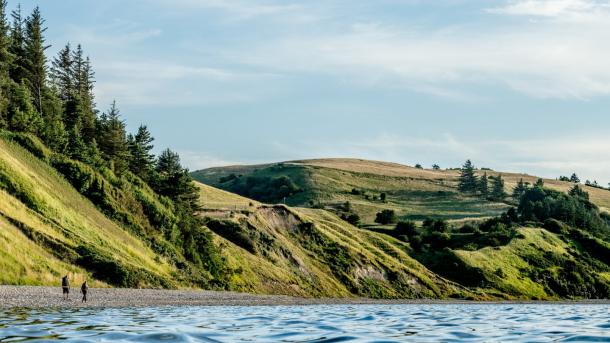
507, 267
413, 193
55, 214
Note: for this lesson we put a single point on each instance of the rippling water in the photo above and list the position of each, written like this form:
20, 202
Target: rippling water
333, 323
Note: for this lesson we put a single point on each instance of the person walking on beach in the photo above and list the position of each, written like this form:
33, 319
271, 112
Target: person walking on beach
65, 285
84, 288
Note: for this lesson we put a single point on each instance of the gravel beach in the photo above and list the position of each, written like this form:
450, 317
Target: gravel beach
50, 297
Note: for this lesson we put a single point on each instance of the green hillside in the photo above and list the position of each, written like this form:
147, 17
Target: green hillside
412, 193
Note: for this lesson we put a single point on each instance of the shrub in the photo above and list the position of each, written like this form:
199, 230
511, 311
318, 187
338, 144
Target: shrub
385, 217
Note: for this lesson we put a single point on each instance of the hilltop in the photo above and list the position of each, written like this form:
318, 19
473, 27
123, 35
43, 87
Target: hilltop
413, 193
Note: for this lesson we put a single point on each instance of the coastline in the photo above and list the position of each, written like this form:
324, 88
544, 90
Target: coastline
40, 297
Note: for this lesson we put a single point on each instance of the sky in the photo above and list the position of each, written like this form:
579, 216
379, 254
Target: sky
514, 85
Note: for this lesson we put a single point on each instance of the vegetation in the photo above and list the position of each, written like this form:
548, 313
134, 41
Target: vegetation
51, 112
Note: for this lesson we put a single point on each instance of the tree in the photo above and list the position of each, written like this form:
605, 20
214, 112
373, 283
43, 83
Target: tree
353, 219
21, 114
577, 191
113, 139
35, 59
382, 196
574, 178
497, 188
175, 182
141, 160
83, 75
483, 185
5, 56
419, 166
539, 183
468, 180
436, 167
385, 217
406, 228
18, 70
519, 189
6, 60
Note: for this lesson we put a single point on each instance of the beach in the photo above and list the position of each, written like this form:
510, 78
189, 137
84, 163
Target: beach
51, 297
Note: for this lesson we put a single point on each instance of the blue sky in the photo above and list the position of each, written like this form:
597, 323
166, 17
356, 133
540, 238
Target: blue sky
515, 85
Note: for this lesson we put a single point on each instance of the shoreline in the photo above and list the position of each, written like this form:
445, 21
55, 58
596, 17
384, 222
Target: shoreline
41, 297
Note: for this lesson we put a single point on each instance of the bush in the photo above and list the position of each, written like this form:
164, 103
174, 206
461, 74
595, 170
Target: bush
385, 217
407, 228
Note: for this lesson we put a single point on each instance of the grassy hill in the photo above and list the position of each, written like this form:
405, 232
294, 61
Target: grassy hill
413, 193
299, 251
59, 216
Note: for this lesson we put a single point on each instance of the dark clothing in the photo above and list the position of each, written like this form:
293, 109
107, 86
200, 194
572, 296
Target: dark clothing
66, 290
84, 288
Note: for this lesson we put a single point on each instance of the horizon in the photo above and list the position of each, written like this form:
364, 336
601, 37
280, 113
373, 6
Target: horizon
516, 86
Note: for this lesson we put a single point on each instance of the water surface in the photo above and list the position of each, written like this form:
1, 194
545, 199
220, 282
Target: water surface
332, 323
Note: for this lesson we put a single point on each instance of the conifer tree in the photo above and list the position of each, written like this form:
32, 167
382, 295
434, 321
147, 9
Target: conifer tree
483, 186
82, 75
141, 160
175, 182
5, 57
519, 190
468, 180
113, 140
497, 188
5, 65
17, 47
35, 59
21, 114
574, 178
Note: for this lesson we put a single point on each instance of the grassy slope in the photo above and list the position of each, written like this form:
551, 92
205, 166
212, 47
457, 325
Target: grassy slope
59, 220
291, 260
413, 193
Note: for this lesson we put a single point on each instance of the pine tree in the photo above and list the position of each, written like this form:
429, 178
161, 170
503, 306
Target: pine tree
483, 186
17, 47
35, 59
468, 180
22, 115
141, 160
82, 75
61, 73
53, 132
113, 140
574, 178
5, 65
5, 56
175, 182
519, 190
497, 188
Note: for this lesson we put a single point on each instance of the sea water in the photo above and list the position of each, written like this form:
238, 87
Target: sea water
332, 323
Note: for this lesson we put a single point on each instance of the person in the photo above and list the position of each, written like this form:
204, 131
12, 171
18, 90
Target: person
84, 288
65, 285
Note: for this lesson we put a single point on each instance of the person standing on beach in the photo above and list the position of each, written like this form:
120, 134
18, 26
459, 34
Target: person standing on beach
65, 285
84, 288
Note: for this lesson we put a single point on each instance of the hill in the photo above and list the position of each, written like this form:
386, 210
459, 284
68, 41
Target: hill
413, 193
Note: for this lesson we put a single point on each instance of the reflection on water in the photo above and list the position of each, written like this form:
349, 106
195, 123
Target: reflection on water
336, 323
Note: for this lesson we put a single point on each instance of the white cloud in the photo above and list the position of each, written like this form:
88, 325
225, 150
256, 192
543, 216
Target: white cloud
553, 8
195, 160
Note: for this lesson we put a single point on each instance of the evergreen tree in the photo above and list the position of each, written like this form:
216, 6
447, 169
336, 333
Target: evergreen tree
113, 140
5, 56
18, 70
5, 65
83, 75
141, 160
539, 183
61, 74
468, 180
35, 59
22, 115
483, 186
175, 182
497, 188
519, 190
574, 178
53, 132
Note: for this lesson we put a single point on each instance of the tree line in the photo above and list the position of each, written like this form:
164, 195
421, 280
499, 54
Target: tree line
54, 101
